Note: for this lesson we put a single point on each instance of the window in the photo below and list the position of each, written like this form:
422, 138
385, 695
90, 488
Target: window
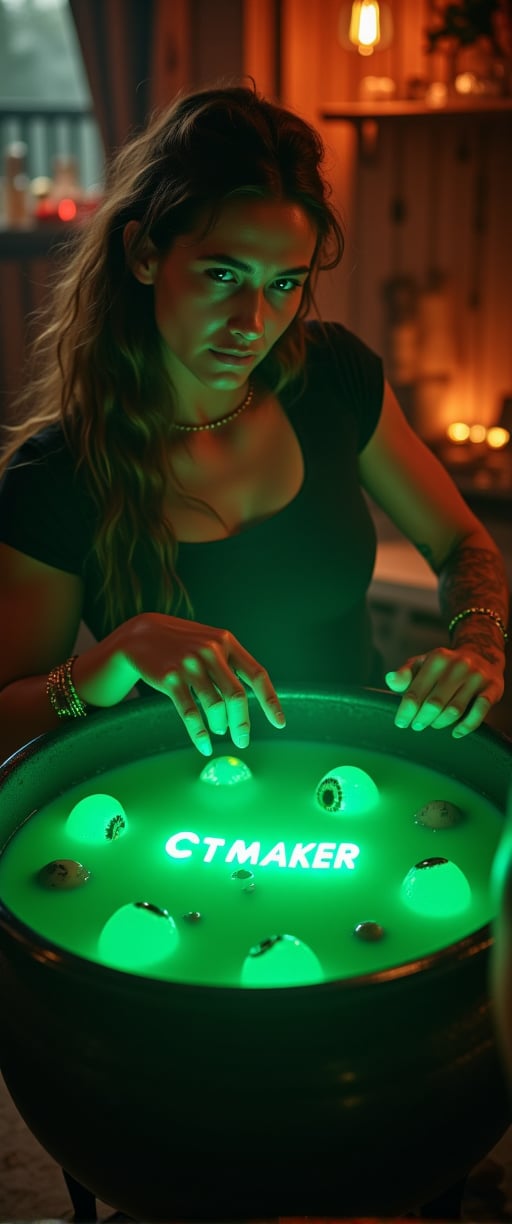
45, 99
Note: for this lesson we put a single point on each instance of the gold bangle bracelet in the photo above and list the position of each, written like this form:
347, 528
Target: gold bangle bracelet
62, 693
495, 616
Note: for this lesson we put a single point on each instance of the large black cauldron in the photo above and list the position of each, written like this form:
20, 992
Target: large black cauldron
361, 1097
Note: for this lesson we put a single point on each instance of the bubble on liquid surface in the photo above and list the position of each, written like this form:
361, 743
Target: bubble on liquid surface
369, 932
243, 879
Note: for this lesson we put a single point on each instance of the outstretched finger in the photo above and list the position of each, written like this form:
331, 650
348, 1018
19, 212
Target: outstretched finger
184, 703
215, 710
237, 710
473, 718
242, 665
259, 681
206, 693
224, 683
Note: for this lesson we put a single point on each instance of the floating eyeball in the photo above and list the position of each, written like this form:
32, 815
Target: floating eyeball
63, 875
97, 819
346, 788
369, 932
225, 771
281, 960
137, 936
192, 916
439, 814
436, 888
243, 879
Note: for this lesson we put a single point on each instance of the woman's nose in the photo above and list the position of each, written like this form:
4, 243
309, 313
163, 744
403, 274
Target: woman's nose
247, 319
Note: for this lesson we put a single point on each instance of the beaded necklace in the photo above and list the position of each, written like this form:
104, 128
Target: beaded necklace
223, 420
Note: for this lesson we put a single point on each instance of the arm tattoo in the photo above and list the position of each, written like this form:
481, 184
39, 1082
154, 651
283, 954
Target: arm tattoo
474, 577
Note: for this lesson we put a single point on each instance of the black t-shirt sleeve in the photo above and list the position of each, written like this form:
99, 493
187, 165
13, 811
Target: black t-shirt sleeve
360, 376
40, 504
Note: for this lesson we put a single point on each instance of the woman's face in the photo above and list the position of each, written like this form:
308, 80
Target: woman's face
238, 288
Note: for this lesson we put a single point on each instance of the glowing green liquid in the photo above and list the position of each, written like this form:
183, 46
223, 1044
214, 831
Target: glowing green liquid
163, 796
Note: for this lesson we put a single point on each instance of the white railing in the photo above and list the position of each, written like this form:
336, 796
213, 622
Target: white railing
50, 132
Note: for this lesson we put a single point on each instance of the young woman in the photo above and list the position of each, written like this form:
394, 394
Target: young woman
187, 472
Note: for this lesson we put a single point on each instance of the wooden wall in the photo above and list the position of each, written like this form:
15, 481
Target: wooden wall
452, 177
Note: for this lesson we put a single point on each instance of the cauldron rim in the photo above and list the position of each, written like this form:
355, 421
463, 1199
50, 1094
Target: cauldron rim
60, 960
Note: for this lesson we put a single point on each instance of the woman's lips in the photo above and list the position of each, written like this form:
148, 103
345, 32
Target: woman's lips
230, 359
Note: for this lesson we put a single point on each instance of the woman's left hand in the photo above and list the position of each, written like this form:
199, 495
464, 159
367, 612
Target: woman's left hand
446, 687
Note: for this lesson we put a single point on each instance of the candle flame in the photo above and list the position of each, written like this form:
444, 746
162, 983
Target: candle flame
497, 437
458, 431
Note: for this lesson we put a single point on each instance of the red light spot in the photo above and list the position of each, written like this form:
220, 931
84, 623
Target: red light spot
66, 210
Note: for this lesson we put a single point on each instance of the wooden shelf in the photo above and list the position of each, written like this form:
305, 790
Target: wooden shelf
358, 112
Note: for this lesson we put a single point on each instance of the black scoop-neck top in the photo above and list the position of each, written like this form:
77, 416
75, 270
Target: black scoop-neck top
292, 587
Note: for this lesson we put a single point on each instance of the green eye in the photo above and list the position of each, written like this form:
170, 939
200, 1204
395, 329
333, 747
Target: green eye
213, 273
292, 284
224, 276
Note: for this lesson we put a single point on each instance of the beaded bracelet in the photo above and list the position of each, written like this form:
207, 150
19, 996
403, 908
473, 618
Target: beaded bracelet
495, 616
62, 692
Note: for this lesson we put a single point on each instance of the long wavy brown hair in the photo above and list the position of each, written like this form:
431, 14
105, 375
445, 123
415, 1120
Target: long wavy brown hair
97, 361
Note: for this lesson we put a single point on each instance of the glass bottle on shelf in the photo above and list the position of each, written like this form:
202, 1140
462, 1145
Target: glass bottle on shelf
16, 185
66, 181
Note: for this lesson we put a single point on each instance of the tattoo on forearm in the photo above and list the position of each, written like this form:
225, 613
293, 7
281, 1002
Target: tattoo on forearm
473, 577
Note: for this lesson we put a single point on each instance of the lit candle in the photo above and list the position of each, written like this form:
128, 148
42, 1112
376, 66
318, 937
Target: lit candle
458, 432
497, 437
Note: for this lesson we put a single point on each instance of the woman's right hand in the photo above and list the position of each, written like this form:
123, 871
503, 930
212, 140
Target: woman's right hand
200, 668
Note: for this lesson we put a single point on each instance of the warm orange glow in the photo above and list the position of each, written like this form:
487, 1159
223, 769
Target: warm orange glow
458, 431
497, 437
66, 210
364, 30
477, 433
